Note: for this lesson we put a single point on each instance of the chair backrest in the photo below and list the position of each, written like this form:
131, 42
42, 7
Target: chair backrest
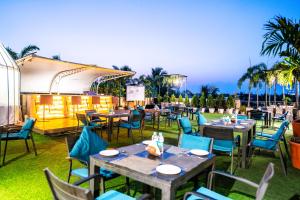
195, 142
64, 191
242, 117
82, 118
135, 118
201, 120
256, 114
27, 127
264, 182
185, 124
218, 133
70, 141
285, 114
281, 130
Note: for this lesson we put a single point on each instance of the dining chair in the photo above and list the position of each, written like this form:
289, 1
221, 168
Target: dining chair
271, 143
242, 117
64, 191
224, 141
185, 127
258, 116
13, 133
82, 118
201, 120
134, 123
190, 142
91, 117
208, 193
194, 111
79, 148
176, 113
279, 118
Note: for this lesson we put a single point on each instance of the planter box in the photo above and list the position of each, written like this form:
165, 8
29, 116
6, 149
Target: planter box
296, 128
295, 152
221, 110
211, 110
203, 110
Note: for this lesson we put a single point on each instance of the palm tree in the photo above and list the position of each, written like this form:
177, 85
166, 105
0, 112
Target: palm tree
259, 77
270, 79
156, 77
24, 52
282, 37
250, 76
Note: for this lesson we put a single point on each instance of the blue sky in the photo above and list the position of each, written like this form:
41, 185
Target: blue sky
209, 41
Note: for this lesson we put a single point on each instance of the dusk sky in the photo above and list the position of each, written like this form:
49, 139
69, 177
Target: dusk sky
209, 41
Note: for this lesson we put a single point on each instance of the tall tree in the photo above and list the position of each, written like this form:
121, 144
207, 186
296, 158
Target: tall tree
259, 78
249, 76
156, 78
24, 52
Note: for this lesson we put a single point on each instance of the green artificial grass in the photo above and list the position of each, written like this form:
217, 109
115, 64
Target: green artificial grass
22, 177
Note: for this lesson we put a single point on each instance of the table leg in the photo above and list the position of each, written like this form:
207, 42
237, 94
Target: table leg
110, 125
244, 148
158, 121
168, 193
94, 183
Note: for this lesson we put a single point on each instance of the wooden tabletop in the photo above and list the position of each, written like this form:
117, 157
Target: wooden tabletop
134, 162
246, 124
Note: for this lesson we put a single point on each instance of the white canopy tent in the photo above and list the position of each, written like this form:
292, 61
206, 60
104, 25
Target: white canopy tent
44, 75
9, 89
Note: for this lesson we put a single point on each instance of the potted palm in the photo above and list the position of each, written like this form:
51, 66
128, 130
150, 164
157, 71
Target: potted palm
194, 101
211, 103
202, 102
173, 99
230, 104
220, 103
180, 99
187, 100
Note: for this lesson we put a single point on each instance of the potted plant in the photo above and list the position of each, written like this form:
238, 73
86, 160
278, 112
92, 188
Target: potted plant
173, 98
187, 100
243, 109
166, 98
220, 103
230, 104
295, 151
194, 101
211, 103
296, 128
180, 99
202, 102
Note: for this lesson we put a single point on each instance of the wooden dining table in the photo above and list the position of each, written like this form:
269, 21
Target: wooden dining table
110, 119
248, 131
135, 162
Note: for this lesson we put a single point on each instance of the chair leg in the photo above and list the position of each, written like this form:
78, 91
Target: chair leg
33, 145
231, 165
127, 186
283, 163
130, 133
70, 171
286, 147
4, 154
26, 143
141, 132
102, 185
118, 135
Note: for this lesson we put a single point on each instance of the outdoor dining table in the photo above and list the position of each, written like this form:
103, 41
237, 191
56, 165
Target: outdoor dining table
110, 117
134, 162
247, 133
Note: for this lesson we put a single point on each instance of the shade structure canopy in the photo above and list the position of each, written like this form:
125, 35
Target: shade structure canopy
46, 75
9, 89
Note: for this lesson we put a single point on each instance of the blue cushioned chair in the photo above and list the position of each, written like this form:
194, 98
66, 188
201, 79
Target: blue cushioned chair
242, 117
279, 118
80, 148
271, 143
82, 118
176, 113
261, 188
65, 191
14, 133
201, 120
187, 141
224, 141
134, 123
185, 126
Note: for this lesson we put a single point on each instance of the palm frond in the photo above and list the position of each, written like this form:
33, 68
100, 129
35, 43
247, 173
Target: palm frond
12, 53
28, 50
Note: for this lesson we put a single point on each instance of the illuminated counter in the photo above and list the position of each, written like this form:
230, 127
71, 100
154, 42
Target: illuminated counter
45, 107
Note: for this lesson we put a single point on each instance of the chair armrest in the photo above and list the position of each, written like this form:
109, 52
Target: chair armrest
73, 158
145, 197
243, 180
81, 181
201, 196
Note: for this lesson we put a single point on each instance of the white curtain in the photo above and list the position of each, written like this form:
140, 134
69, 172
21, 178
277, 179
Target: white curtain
9, 89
